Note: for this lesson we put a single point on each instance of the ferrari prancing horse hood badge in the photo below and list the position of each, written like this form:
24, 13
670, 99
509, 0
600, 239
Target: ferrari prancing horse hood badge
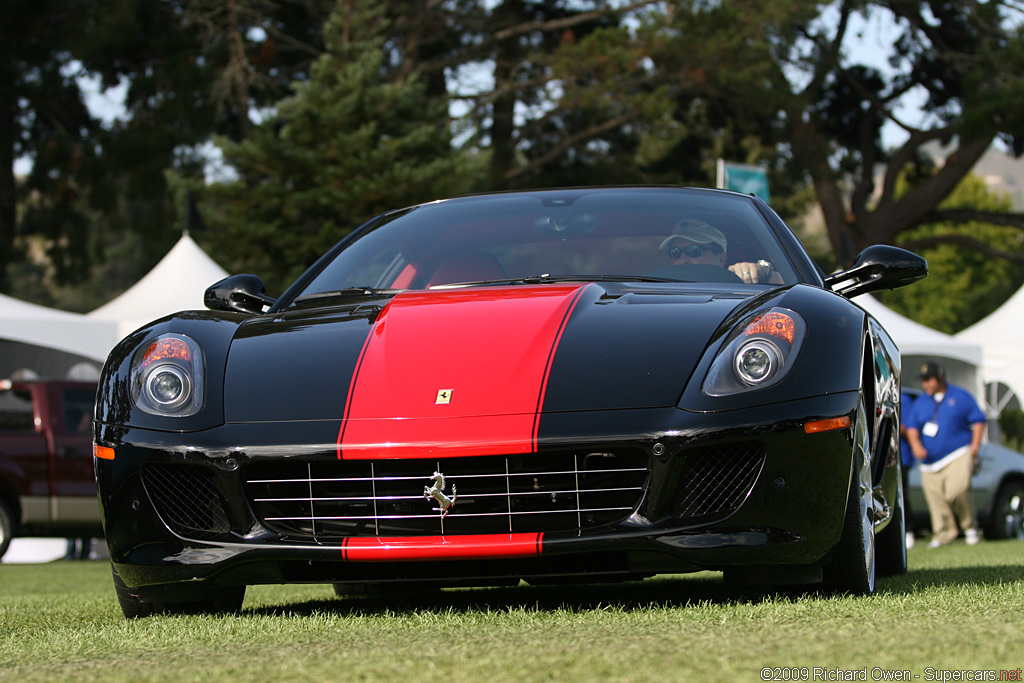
444, 397
437, 493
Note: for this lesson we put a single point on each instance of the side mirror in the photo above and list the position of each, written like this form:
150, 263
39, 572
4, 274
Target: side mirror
878, 267
243, 293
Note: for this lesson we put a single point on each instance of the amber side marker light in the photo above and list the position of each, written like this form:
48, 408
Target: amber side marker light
103, 452
829, 425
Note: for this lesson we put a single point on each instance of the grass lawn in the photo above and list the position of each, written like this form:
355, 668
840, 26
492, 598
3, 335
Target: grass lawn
959, 608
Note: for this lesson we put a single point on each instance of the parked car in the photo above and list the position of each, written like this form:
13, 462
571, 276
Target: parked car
47, 485
519, 386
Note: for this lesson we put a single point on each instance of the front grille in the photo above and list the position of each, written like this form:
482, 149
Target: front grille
326, 500
186, 499
715, 480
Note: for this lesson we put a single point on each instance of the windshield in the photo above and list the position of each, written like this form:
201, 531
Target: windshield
642, 233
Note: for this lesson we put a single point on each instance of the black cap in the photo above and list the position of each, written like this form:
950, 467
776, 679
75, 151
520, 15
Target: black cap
931, 370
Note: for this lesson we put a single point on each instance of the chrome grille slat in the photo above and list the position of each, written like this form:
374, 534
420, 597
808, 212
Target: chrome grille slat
434, 516
454, 478
330, 499
477, 495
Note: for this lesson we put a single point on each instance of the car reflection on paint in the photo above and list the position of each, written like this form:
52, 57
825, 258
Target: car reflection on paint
561, 385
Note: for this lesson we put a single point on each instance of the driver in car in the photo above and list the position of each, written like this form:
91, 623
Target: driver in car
695, 241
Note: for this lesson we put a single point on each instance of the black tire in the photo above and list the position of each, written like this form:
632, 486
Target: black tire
128, 598
891, 543
6, 527
1007, 519
853, 568
133, 607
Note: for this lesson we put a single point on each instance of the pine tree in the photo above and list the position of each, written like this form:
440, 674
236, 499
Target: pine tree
350, 143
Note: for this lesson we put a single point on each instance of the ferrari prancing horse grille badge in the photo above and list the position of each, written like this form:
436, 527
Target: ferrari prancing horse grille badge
444, 397
437, 493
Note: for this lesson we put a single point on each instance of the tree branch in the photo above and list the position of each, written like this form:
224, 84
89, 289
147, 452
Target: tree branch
903, 156
568, 22
924, 198
1012, 220
568, 142
828, 52
964, 241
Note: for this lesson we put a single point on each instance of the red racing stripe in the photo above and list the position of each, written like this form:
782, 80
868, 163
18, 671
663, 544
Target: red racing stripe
414, 548
455, 373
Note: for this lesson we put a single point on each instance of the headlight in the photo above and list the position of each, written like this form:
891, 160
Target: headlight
167, 376
757, 362
758, 353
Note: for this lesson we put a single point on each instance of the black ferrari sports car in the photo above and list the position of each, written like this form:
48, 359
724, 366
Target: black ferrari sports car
579, 385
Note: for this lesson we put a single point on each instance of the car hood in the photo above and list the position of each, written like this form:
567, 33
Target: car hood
482, 362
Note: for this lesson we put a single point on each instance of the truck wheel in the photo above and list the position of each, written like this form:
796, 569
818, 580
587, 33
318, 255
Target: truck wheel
6, 527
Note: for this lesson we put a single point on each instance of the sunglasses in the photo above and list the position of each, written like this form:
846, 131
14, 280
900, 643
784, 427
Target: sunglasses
692, 250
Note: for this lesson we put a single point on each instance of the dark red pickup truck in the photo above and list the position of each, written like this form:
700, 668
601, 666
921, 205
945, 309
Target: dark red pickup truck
47, 483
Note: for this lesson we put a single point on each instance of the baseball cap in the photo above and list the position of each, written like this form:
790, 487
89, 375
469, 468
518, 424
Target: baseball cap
696, 231
932, 369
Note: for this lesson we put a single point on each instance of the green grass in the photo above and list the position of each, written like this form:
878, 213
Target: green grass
957, 608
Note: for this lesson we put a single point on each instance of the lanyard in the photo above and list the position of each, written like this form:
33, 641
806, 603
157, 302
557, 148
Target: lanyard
937, 405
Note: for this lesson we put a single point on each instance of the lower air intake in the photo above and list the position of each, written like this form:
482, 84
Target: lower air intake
187, 500
715, 480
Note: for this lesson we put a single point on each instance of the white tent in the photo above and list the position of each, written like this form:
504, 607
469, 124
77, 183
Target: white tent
999, 335
176, 283
919, 343
50, 342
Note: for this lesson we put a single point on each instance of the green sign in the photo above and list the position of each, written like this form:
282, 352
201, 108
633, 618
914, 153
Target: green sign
744, 178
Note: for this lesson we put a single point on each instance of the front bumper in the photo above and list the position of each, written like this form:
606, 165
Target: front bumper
683, 492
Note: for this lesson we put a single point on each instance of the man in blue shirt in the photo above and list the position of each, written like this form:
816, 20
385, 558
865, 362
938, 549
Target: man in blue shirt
944, 430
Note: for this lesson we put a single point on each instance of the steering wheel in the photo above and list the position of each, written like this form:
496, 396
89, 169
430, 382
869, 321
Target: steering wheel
696, 272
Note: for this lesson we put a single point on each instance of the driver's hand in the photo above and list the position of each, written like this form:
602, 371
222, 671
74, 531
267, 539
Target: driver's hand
748, 272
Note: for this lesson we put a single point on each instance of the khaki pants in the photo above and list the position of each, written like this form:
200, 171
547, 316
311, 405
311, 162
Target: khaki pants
946, 491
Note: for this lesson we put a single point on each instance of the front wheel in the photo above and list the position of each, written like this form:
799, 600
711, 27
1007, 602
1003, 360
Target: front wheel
852, 570
891, 543
1008, 512
134, 607
128, 598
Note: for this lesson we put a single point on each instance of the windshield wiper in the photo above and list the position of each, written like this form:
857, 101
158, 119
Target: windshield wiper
541, 279
342, 293
544, 279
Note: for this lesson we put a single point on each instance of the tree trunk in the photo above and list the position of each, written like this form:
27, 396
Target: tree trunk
851, 232
503, 112
8, 189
